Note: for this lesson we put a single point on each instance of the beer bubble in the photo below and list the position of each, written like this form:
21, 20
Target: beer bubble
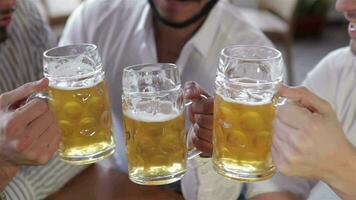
87, 126
251, 121
159, 160
73, 109
96, 105
169, 143
66, 127
237, 139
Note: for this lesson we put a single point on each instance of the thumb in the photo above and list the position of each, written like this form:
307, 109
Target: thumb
305, 98
193, 91
22, 92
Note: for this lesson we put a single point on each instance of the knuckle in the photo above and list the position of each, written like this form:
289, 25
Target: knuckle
23, 144
303, 90
31, 156
197, 118
41, 106
38, 158
190, 84
44, 159
327, 105
10, 126
284, 169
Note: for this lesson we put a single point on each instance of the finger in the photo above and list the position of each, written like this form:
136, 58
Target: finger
280, 153
204, 106
204, 121
191, 114
54, 133
44, 148
203, 134
22, 116
283, 131
205, 147
35, 129
22, 92
293, 115
305, 98
193, 91
18, 120
276, 157
283, 140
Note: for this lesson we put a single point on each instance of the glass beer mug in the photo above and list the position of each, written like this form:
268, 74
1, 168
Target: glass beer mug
153, 109
78, 97
244, 108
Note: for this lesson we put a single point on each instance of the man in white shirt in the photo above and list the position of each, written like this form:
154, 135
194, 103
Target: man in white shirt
315, 136
187, 33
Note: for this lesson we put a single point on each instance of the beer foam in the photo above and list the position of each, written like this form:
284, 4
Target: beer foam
72, 85
150, 117
246, 102
80, 65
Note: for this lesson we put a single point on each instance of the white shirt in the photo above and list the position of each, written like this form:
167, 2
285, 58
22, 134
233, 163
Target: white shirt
334, 79
123, 31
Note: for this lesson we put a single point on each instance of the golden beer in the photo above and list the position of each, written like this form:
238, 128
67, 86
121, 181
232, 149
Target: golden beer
84, 118
242, 140
155, 147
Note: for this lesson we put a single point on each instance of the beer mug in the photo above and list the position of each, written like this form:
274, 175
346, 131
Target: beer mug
245, 99
78, 97
153, 117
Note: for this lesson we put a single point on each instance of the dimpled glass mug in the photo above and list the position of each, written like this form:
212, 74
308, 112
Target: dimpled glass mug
244, 108
153, 109
78, 97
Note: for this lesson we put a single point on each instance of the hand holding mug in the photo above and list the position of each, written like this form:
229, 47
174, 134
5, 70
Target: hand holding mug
29, 134
308, 139
201, 116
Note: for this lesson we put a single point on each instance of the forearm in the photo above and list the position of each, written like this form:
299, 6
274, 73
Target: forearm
342, 178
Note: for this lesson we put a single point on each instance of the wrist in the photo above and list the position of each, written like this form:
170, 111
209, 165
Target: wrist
341, 176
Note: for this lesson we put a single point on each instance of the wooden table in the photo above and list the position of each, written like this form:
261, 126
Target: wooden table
101, 182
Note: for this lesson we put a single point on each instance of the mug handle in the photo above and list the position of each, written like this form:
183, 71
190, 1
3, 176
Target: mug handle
278, 101
194, 152
41, 95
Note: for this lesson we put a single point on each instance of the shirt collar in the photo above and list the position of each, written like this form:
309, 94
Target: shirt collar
204, 38
201, 41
